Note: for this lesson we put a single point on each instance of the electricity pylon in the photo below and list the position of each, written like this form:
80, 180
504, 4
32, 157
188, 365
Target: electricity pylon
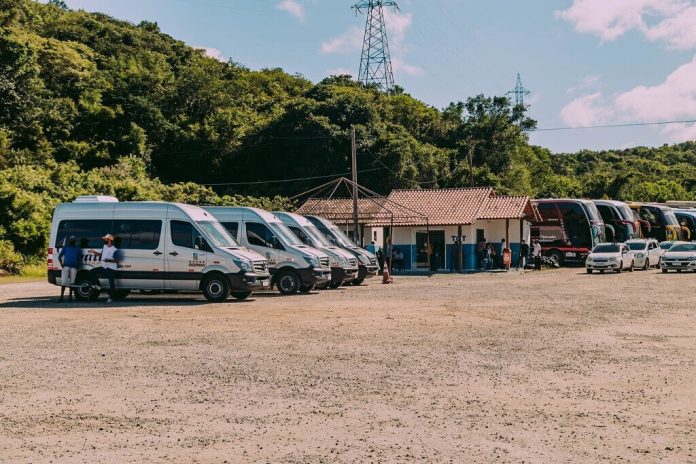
375, 61
519, 92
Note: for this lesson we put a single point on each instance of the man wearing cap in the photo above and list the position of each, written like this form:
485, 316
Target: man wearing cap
70, 257
109, 264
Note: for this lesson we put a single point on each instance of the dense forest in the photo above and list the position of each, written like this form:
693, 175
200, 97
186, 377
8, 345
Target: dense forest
90, 104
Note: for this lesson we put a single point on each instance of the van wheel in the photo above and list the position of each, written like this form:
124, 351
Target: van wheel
241, 295
84, 290
646, 266
306, 288
288, 282
216, 288
121, 294
620, 269
357, 282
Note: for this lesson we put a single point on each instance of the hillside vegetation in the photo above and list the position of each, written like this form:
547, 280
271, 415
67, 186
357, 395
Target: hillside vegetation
90, 104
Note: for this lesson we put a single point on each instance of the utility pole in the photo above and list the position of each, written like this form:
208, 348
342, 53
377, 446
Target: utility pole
354, 153
375, 60
470, 157
519, 92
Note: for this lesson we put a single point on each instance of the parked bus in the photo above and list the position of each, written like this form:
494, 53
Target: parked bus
568, 229
657, 221
687, 221
620, 222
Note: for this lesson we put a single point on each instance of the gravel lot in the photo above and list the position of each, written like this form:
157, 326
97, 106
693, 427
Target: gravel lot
555, 366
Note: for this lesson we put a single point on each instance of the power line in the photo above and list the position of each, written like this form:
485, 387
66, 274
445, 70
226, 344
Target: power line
608, 126
278, 181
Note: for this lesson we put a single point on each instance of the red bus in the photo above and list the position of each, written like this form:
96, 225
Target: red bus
568, 229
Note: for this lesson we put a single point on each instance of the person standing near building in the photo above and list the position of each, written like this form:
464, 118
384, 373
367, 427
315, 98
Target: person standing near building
536, 251
109, 264
524, 253
481, 252
70, 257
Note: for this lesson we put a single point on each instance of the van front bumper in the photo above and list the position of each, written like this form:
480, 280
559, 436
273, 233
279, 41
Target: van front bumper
249, 282
314, 276
367, 271
342, 274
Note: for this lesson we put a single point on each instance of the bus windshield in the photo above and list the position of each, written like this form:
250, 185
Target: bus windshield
626, 213
217, 234
592, 211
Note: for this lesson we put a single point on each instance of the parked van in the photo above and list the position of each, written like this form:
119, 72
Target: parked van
657, 221
619, 220
344, 266
163, 246
569, 229
295, 267
367, 266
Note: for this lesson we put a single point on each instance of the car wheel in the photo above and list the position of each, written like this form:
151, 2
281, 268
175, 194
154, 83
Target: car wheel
646, 266
630, 269
241, 295
335, 284
589, 271
84, 290
216, 288
620, 269
357, 282
288, 282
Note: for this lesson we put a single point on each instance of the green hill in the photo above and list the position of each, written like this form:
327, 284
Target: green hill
90, 104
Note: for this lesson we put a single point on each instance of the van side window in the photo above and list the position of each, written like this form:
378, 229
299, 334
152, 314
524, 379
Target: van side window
260, 235
232, 228
87, 232
301, 235
137, 234
183, 234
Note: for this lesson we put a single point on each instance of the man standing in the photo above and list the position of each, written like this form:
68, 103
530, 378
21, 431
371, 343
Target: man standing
109, 264
69, 257
536, 251
524, 253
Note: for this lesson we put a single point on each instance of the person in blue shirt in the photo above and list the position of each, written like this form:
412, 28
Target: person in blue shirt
70, 258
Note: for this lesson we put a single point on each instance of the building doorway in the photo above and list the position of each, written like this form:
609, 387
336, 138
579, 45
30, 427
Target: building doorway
436, 239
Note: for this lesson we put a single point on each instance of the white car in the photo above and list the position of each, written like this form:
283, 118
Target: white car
647, 252
680, 257
610, 257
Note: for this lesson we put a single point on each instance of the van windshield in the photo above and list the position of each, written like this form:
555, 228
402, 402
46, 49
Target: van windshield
284, 234
217, 234
316, 235
342, 238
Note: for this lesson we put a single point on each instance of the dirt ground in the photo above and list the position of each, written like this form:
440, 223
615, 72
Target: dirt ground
556, 366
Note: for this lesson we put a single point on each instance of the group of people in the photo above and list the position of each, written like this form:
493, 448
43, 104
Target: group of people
391, 259
70, 258
492, 257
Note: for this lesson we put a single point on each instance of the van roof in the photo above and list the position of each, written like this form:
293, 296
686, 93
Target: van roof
611, 202
294, 217
194, 212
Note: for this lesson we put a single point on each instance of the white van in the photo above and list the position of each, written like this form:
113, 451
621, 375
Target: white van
344, 266
294, 266
368, 262
163, 246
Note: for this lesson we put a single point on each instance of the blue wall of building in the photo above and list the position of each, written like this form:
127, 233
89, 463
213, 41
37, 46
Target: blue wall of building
470, 258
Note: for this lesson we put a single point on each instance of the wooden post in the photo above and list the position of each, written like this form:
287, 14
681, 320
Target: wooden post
461, 248
354, 155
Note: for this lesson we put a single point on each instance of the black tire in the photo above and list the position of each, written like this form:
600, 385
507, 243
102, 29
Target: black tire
241, 295
84, 291
306, 288
357, 282
556, 256
288, 282
335, 284
216, 287
664, 271
630, 269
589, 271
121, 294
646, 266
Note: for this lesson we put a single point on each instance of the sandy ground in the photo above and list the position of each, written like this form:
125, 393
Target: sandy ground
556, 366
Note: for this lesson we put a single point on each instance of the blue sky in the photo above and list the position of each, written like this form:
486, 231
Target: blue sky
587, 62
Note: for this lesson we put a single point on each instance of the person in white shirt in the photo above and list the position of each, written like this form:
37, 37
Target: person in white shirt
108, 265
536, 252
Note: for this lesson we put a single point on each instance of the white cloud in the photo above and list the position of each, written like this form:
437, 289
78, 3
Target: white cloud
587, 82
212, 53
673, 99
351, 41
668, 21
293, 7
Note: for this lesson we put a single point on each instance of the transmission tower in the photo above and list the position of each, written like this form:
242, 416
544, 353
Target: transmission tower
375, 61
519, 92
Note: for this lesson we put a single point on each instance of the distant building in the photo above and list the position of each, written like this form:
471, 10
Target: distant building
434, 220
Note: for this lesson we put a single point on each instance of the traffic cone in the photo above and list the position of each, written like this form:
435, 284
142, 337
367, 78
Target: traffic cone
386, 278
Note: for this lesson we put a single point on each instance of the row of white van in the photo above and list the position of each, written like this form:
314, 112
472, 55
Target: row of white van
220, 251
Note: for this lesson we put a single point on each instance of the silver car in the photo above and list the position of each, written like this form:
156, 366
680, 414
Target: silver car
680, 257
647, 252
614, 257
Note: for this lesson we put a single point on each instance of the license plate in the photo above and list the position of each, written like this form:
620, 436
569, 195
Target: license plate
264, 283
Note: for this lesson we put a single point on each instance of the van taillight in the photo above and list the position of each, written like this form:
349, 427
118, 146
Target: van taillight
49, 259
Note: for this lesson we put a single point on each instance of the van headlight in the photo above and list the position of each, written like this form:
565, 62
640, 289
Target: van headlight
244, 265
343, 262
312, 261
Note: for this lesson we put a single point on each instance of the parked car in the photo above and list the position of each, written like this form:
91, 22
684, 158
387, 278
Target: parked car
680, 257
666, 245
164, 247
610, 257
646, 251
